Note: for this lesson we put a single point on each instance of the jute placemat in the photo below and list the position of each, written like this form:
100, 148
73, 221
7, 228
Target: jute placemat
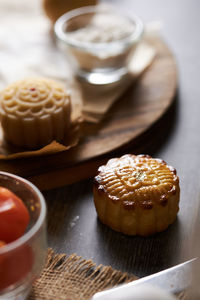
74, 278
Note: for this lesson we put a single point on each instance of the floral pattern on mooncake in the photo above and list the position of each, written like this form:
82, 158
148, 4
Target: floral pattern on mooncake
137, 194
34, 112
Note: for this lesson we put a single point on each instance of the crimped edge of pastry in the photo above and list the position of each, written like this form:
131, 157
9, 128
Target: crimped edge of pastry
144, 219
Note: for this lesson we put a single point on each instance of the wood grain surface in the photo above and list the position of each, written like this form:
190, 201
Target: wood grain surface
73, 225
134, 113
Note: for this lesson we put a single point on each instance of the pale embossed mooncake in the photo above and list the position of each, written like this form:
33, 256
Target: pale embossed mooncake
34, 112
137, 194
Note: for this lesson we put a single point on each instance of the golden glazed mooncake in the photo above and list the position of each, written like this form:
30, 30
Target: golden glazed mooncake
56, 8
34, 112
137, 194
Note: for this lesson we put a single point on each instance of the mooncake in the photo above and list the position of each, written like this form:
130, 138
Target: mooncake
136, 194
56, 8
34, 112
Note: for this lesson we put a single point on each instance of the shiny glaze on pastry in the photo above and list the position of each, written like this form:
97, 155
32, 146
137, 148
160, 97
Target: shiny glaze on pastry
34, 112
140, 189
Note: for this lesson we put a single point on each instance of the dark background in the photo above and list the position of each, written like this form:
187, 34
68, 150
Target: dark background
72, 222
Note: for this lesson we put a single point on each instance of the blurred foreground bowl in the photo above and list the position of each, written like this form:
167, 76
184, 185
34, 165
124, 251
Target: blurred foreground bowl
21, 261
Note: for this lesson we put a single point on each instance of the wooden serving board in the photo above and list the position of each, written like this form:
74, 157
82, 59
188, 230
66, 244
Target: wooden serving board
129, 118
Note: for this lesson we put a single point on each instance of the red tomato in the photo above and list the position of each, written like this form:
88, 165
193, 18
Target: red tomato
15, 265
14, 216
2, 244
1, 257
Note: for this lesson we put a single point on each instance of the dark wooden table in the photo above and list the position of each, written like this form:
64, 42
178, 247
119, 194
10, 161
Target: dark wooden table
72, 222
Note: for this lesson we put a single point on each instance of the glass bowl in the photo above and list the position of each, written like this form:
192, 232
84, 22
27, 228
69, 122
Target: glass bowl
98, 42
21, 261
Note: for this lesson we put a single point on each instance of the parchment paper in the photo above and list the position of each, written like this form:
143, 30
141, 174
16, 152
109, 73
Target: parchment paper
28, 49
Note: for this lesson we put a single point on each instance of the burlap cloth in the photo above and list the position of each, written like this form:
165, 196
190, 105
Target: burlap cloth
74, 278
